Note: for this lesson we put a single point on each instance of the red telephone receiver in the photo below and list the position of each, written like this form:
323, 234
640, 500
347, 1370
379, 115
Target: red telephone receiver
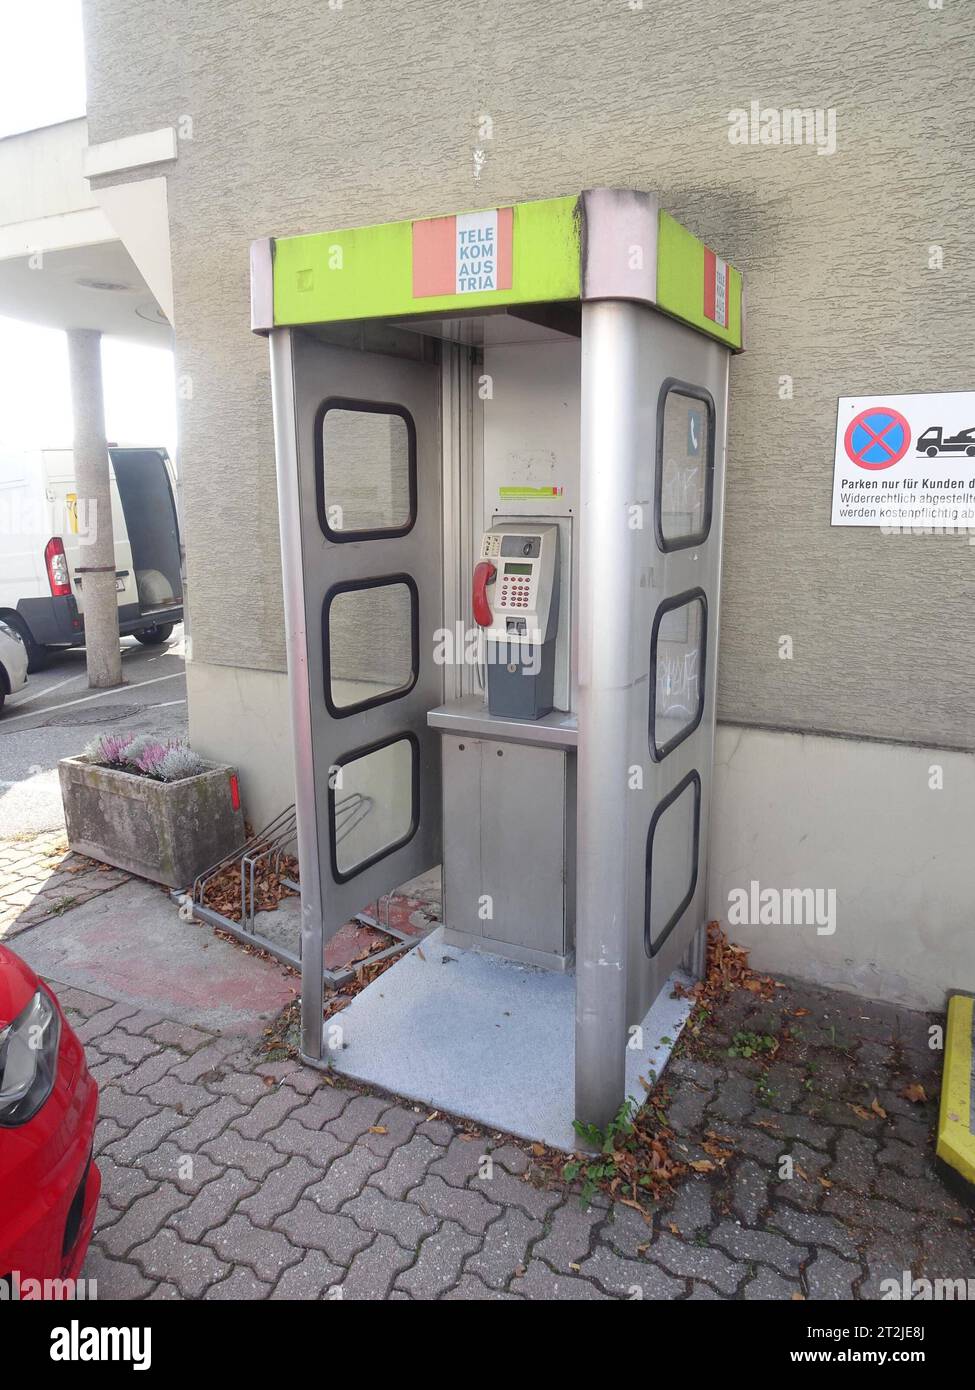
484, 573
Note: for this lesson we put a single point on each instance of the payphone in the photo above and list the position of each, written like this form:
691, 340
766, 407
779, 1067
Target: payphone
516, 603
533, 458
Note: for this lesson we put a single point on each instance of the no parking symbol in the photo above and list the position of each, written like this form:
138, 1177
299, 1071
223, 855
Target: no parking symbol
877, 438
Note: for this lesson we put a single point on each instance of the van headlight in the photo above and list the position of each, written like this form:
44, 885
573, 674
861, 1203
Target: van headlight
28, 1060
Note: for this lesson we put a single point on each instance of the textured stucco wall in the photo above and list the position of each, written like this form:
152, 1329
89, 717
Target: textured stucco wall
800, 812
307, 117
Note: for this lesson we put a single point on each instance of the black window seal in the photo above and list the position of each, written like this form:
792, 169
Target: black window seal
345, 586
668, 605
693, 778
403, 736
699, 393
366, 408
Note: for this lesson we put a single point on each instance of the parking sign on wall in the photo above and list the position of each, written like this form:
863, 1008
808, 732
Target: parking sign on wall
905, 461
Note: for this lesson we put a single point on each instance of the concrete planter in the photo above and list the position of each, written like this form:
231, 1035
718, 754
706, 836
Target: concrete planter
165, 831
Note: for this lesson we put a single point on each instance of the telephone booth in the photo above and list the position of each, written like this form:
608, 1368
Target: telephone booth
500, 444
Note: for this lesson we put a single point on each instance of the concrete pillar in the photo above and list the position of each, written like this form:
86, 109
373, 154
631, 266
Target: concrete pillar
92, 478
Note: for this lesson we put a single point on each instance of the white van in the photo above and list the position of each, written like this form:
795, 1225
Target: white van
46, 527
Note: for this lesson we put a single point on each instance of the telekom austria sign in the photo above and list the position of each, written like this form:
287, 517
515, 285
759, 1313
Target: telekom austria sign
905, 461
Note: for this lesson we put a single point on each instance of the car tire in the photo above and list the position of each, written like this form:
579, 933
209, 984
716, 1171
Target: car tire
154, 636
37, 656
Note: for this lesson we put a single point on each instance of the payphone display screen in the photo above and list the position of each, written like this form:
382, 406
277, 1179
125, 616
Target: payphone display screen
517, 569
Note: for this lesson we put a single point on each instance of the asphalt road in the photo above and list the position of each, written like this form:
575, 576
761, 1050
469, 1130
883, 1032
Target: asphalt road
57, 714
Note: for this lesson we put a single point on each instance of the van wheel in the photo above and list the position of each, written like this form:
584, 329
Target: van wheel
37, 656
154, 636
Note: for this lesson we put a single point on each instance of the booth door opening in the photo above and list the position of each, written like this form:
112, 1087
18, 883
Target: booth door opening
368, 466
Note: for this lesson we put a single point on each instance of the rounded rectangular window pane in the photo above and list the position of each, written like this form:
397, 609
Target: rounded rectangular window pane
368, 466
374, 807
671, 874
685, 467
371, 639
677, 653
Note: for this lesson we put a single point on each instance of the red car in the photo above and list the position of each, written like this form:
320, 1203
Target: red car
49, 1184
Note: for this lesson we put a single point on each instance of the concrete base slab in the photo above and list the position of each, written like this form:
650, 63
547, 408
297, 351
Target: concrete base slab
131, 945
485, 1038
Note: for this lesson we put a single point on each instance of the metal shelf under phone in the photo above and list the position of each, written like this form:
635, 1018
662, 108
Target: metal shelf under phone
470, 715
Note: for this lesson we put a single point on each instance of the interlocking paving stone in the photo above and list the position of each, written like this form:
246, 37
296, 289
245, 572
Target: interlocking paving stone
692, 1210
357, 1118
505, 1248
337, 1236
325, 1104
279, 1191
114, 1278
122, 1183
126, 1110
209, 1123
190, 1268
243, 1283
255, 1156
812, 1229
512, 1158
473, 1211
181, 1035
764, 1246
506, 1190
698, 1262
269, 1111
750, 1192
769, 1284
146, 1135
212, 1205
345, 1178
629, 1278
470, 1287
118, 1043
406, 1167
312, 1277
404, 1221
373, 1270
569, 1235
830, 1277
142, 1219
181, 1096
266, 1252
461, 1161
439, 1262
291, 1192
317, 1145
154, 1068
170, 1163
398, 1123
538, 1281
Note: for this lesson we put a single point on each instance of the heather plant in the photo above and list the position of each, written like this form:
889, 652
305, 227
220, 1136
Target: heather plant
150, 758
109, 750
146, 755
137, 747
179, 762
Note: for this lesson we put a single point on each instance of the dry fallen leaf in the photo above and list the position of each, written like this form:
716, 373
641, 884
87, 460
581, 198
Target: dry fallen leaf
702, 1165
538, 1149
915, 1092
878, 1109
378, 1129
859, 1110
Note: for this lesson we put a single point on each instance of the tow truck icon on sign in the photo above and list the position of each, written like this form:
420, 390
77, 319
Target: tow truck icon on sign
932, 443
